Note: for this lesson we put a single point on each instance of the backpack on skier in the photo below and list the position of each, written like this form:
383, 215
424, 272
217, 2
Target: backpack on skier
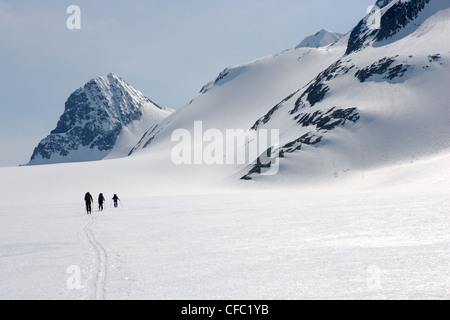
116, 199
101, 200
88, 199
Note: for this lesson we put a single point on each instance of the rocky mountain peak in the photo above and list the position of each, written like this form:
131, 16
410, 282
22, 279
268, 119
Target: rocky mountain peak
94, 118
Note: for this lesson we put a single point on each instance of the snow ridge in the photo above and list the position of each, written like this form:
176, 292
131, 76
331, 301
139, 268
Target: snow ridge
320, 39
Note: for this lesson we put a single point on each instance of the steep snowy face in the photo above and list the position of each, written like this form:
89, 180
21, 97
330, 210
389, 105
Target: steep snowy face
100, 117
320, 39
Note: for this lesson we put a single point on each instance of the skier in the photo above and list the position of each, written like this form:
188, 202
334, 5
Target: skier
115, 199
101, 200
88, 198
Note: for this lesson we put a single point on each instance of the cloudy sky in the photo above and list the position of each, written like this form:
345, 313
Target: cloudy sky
166, 49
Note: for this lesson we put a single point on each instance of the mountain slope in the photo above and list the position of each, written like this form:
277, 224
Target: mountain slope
372, 99
242, 93
380, 104
104, 118
398, 19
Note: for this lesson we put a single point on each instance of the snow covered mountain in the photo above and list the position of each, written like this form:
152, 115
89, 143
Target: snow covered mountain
364, 140
374, 98
320, 39
104, 118
383, 102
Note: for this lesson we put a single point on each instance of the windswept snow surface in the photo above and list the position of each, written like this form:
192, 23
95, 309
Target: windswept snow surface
380, 234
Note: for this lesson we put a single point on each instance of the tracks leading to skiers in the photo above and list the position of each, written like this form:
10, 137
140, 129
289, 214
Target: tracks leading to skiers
97, 281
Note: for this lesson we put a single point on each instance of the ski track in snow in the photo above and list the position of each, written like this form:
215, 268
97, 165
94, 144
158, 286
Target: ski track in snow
97, 281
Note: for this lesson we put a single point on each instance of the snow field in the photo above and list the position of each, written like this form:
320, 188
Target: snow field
233, 245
